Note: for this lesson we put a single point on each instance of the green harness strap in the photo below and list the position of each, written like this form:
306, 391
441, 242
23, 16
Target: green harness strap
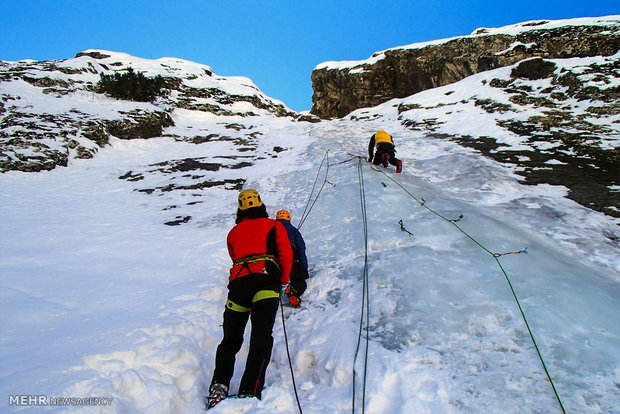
256, 258
237, 308
265, 294
260, 295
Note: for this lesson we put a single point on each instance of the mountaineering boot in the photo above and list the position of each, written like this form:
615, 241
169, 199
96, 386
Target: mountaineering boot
399, 167
217, 393
294, 301
291, 294
385, 159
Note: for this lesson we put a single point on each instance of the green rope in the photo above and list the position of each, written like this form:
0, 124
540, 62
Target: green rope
496, 257
365, 295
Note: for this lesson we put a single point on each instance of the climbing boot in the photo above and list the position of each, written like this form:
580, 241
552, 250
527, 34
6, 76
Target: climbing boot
291, 294
399, 167
217, 393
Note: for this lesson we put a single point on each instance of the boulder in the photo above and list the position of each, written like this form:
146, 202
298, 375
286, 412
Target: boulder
533, 69
140, 124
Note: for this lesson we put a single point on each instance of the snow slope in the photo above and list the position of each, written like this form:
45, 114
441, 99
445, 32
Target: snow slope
99, 298
52, 112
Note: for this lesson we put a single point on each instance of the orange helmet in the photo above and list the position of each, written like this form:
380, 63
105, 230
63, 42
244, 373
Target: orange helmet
283, 215
248, 199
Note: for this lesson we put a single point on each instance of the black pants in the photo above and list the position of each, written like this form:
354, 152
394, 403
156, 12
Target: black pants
385, 148
298, 278
262, 316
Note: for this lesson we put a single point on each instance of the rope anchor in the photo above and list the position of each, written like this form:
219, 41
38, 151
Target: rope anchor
341, 162
517, 252
402, 228
460, 217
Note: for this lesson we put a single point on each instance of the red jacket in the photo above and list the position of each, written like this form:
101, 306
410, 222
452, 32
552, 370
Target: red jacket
255, 245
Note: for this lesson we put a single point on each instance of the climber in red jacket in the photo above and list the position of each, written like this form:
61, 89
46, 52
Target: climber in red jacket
262, 259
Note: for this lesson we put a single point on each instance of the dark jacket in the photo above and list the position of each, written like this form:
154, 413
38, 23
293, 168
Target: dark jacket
297, 242
380, 138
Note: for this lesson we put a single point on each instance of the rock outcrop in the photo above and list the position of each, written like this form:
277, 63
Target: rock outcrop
340, 88
54, 111
553, 121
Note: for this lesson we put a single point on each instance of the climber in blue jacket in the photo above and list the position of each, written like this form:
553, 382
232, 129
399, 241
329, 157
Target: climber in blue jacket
299, 273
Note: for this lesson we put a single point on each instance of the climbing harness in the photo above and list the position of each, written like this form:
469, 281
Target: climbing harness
258, 296
256, 258
365, 293
496, 256
244, 262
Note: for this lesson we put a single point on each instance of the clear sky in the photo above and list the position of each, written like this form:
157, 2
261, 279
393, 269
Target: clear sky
275, 43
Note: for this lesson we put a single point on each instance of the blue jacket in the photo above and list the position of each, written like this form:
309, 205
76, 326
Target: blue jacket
297, 242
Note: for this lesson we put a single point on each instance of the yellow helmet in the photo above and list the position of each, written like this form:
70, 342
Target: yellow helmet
248, 199
283, 215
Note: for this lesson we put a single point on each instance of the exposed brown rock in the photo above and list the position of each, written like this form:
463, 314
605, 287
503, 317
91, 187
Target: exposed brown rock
404, 72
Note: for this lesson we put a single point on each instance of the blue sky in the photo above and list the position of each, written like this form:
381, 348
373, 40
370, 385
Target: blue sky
275, 43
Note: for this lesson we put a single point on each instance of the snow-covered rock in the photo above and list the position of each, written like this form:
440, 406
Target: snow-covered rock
114, 269
342, 87
52, 111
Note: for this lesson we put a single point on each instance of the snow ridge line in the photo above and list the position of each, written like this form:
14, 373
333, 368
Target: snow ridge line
496, 257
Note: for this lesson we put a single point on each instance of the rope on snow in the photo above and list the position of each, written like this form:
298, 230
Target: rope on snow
309, 206
365, 294
496, 256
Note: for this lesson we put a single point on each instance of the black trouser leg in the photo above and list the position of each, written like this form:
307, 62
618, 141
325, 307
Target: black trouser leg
261, 343
384, 148
394, 161
378, 158
298, 278
234, 326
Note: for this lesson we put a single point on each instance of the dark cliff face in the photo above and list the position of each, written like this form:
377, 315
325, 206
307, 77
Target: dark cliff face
404, 72
552, 121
